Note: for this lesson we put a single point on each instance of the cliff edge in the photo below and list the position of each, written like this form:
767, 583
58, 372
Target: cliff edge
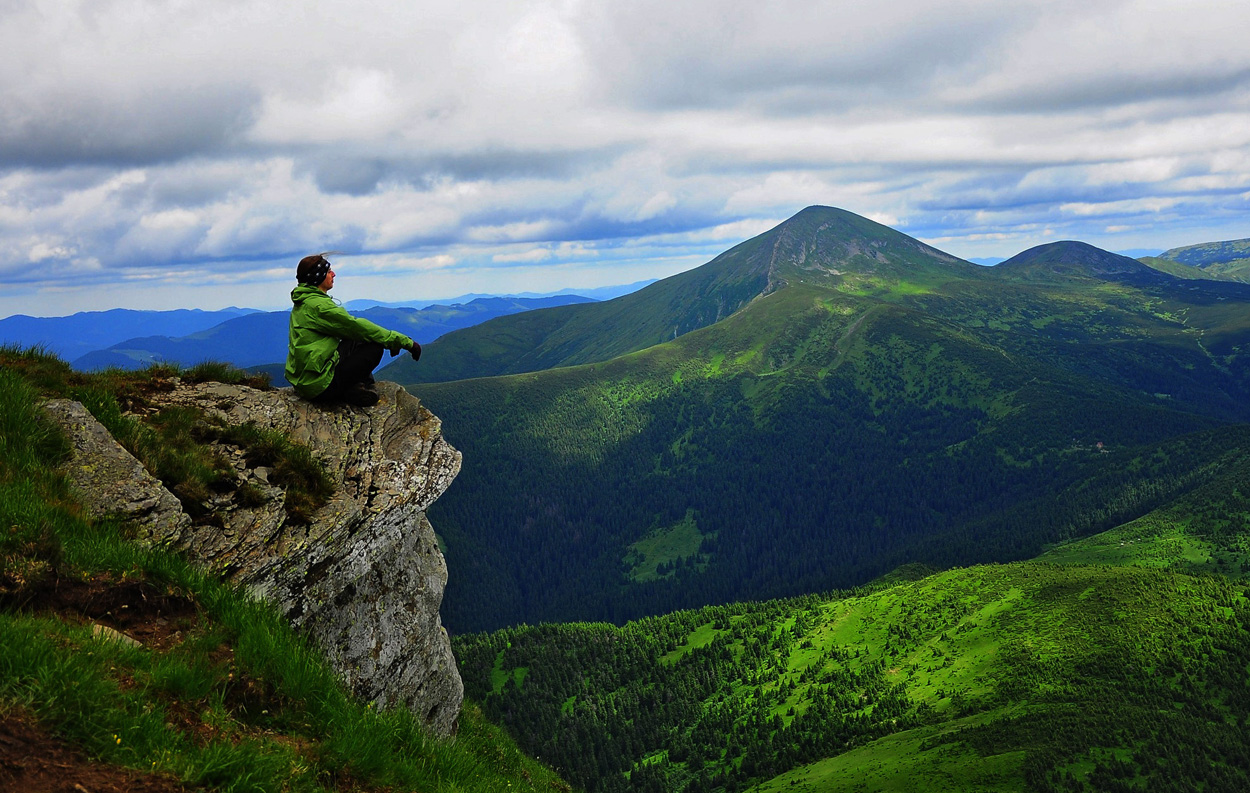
364, 578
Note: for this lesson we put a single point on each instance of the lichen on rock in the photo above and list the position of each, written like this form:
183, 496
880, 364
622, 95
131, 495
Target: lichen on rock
109, 480
364, 578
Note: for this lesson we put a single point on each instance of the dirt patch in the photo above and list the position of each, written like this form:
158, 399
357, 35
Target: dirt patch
32, 761
156, 618
249, 699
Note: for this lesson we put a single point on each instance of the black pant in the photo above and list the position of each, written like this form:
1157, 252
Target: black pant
357, 360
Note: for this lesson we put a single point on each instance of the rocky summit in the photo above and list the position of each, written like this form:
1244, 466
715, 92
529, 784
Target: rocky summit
364, 578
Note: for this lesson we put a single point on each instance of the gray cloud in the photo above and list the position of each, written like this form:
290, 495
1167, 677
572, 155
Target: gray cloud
791, 55
1104, 91
360, 174
69, 127
152, 143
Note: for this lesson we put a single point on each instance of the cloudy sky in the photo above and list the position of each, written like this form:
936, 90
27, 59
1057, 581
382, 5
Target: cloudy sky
182, 153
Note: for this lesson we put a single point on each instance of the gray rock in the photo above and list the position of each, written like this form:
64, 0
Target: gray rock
106, 634
110, 481
365, 578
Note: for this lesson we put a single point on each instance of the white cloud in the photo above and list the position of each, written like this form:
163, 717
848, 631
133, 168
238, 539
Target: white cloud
42, 251
531, 255
1134, 206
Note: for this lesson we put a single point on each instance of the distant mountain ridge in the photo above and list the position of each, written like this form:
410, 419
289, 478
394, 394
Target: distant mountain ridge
261, 338
594, 293
1230, 258
1185, 270
75, 335
1208, 253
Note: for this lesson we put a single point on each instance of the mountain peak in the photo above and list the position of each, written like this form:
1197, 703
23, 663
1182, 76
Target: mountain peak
1075, 259
820, 246
827, 243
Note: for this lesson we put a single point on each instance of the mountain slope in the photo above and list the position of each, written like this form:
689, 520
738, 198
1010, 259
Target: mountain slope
1013, 677
818, 438
1099, 662
1230, 259
1183, 270
833, 429
820, 245
1205, 531
827, 432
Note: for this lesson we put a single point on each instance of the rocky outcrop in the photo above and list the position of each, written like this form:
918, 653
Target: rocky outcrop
364, 578
108, 479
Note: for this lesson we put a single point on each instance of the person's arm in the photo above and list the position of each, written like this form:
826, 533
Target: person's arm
333, 320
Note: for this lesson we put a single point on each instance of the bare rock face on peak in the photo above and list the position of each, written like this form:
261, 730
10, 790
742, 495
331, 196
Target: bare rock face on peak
363, 579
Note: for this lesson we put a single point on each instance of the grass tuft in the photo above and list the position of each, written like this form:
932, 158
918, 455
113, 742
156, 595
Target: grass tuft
292, 466
219, 372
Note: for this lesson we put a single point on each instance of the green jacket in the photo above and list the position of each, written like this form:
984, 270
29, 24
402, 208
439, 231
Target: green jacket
317, 326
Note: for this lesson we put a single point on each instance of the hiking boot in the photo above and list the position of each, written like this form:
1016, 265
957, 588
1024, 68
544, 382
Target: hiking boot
361, 395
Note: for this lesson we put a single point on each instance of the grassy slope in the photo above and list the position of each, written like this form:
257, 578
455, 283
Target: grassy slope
1183, 270
998, 678
1205, 531
1229, 259
234, 701
1238, 269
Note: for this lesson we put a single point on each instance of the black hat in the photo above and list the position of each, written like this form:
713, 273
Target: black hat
312, 270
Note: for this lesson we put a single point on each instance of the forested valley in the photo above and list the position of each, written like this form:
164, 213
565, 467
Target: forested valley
1021, 494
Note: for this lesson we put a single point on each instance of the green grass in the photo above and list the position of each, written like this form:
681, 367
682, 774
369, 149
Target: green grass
1205, 531
1140, 543
292, 466
654, 556
185, 711
702, 636
920, 759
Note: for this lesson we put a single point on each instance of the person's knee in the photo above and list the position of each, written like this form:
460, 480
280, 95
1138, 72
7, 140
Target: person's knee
372, 352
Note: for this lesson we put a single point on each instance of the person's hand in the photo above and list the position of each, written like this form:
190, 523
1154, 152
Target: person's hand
415, 351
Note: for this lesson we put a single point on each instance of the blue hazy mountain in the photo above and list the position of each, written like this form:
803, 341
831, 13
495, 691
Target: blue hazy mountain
73, 336
597, 293
260, 338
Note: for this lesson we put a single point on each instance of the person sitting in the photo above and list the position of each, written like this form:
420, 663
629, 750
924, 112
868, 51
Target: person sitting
331, 354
